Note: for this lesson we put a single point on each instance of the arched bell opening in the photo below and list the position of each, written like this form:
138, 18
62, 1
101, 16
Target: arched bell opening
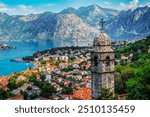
107, 61
95, 61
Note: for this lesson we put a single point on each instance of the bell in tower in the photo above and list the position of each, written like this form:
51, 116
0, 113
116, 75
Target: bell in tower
102, 64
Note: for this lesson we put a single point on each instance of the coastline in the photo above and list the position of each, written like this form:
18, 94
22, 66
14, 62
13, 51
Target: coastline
4, 46
21, 60
23, 49
34, 63
18, 60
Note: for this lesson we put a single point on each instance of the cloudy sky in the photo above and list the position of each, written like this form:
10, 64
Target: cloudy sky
14, 7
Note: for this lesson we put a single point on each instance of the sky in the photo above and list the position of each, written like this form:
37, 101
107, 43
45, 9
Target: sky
18, 7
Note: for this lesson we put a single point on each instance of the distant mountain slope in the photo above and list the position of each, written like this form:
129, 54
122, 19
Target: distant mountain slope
92, 14
74, 27
76, 24
123, 25
61, 26
45, 26
12, 28
130, 24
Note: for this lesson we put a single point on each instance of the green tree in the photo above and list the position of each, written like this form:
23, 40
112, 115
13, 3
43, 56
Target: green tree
25, 95
119, 85
67, 90
47, 90
127, 73
69, 68
138, 87
4, 94
122, 75
105, 94
31, 78
12, 84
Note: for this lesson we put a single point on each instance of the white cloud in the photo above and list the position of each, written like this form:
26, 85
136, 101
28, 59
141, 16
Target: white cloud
2, 5
107, 3
132, 5
48, 5
22, 9
145, 4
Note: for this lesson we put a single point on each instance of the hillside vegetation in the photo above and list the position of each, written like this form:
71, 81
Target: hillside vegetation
133, 77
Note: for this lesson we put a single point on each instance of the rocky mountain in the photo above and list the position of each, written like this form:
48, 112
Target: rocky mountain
92, 14
74, 27
76, 24
45, 26
12, 28
131, 24
61, 26
121, 25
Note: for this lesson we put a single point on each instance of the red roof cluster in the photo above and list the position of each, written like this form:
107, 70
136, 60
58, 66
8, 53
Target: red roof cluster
30, 71
38, 76
3, 82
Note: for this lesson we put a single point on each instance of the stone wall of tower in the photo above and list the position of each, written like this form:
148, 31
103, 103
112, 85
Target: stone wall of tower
102, 80
108, 81
102, 62
96, 84
102, 65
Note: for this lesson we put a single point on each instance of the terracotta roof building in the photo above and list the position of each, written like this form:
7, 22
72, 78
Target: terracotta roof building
82, 94
16, 98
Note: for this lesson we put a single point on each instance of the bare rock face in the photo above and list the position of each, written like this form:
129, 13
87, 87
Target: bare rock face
131, 24
70, 26
46, 26
78, 25
92, 14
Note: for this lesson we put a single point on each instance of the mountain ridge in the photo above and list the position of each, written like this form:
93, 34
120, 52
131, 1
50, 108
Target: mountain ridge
79, 24
92, 14
130, 24
47, 26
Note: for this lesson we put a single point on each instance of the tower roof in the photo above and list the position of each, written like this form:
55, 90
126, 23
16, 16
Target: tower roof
102, 39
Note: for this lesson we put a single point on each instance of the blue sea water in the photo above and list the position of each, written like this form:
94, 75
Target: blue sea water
24, 48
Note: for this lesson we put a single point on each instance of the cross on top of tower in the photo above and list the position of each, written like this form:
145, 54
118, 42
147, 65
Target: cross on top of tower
102, 22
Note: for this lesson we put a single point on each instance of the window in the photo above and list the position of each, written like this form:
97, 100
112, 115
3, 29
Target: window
107, 61
95, 61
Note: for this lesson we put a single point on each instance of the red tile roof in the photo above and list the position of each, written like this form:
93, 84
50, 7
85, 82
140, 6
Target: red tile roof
16, 98
83, 94
3, 82
42, 98
85, 79
85, 83
65, 73
30, 71
52, 67
38, 76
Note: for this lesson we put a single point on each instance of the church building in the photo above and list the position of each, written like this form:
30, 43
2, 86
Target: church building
102, 64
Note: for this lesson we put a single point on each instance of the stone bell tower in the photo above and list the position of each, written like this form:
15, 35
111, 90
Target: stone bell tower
102, 64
